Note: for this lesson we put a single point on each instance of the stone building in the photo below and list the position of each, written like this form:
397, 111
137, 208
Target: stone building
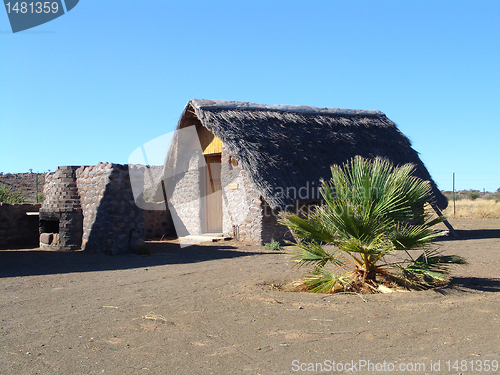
233, 166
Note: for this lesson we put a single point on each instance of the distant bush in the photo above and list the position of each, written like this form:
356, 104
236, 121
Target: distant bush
449, 195
472, 194
8, 196
493, 196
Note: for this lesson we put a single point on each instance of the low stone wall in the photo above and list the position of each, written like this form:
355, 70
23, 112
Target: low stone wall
16, 227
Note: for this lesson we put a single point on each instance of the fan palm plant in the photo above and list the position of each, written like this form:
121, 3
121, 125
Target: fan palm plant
372, 211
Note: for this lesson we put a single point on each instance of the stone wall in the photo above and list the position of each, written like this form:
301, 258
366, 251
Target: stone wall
158, 221
272, 230
241, 203
185, 192
88, 207
16, 227
61, 213
246, 216
112, 222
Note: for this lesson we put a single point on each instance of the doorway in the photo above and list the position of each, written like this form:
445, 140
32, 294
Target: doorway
212, 192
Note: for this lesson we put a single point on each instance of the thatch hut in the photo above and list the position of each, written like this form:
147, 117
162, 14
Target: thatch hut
254, 160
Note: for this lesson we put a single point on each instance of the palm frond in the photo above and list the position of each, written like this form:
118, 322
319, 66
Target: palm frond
431, 264
323, 281
407, 236
311, 252
309, 228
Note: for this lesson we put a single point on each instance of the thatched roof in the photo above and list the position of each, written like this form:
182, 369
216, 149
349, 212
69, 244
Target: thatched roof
291, 146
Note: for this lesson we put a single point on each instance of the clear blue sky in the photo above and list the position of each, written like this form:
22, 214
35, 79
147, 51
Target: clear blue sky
110, 75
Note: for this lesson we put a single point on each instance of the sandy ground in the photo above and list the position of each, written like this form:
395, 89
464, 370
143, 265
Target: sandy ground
213, 309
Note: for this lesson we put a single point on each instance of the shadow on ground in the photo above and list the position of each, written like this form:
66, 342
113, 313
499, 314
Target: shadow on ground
30, 262
479, 284
473, 234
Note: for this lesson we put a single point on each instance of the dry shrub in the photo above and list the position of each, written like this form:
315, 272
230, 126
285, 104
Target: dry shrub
474, 209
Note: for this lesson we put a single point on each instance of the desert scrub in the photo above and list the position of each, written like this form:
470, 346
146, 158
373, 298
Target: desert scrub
474, 209
473, 194
8, 196
273, 245
368, 230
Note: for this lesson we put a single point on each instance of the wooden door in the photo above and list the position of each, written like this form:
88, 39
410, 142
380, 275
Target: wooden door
213, 195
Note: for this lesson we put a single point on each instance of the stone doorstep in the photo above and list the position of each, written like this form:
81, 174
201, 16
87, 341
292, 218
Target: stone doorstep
205, 237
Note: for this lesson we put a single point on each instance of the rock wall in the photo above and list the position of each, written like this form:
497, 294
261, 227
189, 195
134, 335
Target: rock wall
184, 191
241, 203
158, 221
16, 227
112, 222
61, 213
272, 230
246, 216
90, 208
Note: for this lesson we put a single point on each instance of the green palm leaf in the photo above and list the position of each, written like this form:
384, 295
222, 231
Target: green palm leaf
312, 253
